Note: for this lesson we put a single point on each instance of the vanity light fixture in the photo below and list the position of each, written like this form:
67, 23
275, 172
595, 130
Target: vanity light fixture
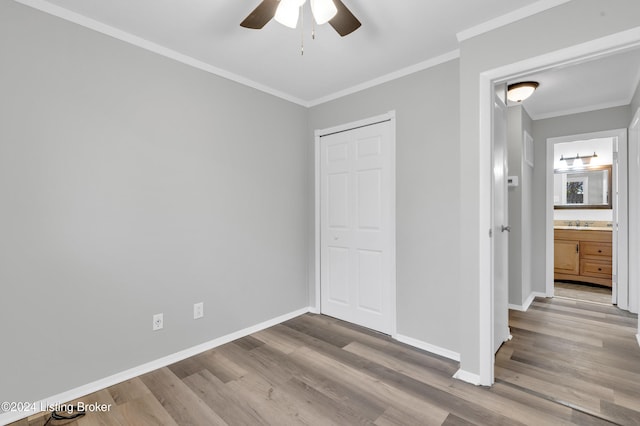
518, 92
586, 159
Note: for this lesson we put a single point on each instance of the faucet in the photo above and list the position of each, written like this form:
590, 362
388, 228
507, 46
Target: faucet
578, 222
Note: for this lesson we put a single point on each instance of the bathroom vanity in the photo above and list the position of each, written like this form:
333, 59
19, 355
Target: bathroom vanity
583, 254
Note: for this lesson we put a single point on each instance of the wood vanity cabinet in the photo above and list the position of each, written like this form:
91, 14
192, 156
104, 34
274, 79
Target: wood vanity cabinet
583, 255
566, 257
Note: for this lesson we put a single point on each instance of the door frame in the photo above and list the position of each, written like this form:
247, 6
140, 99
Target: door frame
621, 263
633, 152
391, 118
634, 212
487, 79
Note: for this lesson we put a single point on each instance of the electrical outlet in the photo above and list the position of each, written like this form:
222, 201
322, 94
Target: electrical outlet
198, 310
158, 322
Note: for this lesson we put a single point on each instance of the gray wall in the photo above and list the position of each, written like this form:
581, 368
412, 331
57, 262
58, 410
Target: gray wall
587, 122
520, 198
131, 184
589, 20
427, 192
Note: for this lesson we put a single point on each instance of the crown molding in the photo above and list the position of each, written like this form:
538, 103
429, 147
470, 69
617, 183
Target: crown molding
76, 18
589, 108
79, 19
429, 63
509, 18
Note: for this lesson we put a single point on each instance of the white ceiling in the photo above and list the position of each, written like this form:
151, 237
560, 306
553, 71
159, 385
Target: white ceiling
396, 37
604, 82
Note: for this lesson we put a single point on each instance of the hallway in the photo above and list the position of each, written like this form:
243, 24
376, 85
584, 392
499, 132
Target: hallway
578, 354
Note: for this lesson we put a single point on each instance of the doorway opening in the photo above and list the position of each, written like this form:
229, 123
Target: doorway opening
583, 194
587, 227
488, 80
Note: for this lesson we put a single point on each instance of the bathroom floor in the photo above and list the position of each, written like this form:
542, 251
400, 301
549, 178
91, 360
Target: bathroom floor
590, 293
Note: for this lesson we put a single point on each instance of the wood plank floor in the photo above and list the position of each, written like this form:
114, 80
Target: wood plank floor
580, 291
579, 354
568, 363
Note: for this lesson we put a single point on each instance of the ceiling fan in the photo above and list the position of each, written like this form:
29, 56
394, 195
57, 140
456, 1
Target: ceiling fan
286, 12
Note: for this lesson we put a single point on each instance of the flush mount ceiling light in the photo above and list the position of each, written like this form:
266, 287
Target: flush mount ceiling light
518, 92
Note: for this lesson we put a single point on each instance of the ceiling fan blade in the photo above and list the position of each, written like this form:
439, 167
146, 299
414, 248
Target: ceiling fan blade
344, 22
261, 15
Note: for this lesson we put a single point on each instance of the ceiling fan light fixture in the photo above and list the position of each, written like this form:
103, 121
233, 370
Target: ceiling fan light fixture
518, 92
323, 10
288, 12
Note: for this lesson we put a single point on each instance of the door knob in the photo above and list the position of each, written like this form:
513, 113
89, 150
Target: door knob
505, 228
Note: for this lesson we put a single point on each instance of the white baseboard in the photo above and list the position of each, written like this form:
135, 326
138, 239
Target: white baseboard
79, 392
525, 306
465, 376
428, 347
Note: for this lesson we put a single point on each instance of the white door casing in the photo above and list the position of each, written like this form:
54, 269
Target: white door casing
484, 374
616, 295
634, 213
500, 228
620, 260
356, 183
621, 224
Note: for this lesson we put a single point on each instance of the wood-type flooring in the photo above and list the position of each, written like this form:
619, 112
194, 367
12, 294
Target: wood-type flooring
568, 363
579, 354
582, 291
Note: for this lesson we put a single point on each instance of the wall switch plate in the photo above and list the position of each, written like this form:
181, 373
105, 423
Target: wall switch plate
198, 310
158, 322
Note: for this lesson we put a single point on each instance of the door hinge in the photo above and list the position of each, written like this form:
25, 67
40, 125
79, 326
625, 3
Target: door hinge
490, 232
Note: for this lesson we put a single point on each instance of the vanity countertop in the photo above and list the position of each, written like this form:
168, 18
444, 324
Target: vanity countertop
584, 228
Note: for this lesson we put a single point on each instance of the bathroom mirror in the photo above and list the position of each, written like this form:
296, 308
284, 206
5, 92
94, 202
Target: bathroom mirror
588, 188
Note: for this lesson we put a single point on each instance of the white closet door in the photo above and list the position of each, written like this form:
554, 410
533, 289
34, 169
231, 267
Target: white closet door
356, 230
